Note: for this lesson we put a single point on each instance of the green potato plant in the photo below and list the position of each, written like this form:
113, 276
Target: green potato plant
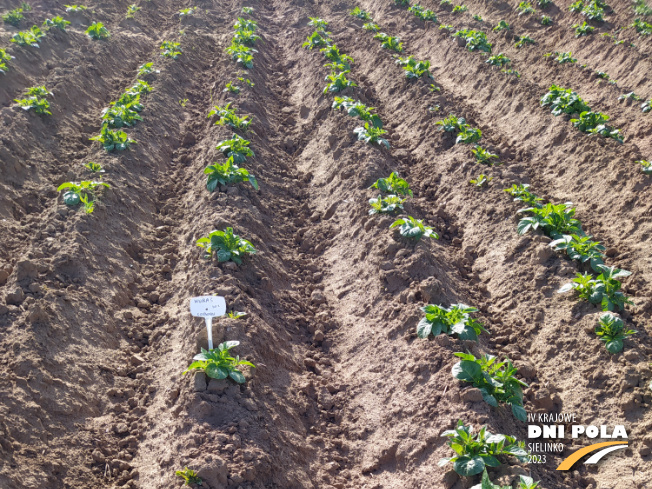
113, 139
227, 117
483, 156
478, 17
358, 13
13, 17
459, 9
475, 452
414, 229
4, 57
371, 26
453, 320
75, 8
132, 10
187, 12
236, 148
629, 96
31, 37
226, 174
97, 31
338, 83
219, 364
318, 39
646, 166
525, 8
523, 40
563, 101
242, 54
358, 109
423, 14
83, 192
603, 289
189, 477
499, 60
480, 181
554, 220
583, 29
333, 54
521, 193
386, 205
318, 23
642, 28
94, 167
389, 42
371, 134
393, 185
475, 40
501, 26
247, 10
247, 24
596, 123
226, 246
245, 37
642, 8
546, 20
414, 69
57, 21
468, 135
147, 69
231, 88
496, 381
171, 49
611, 330
581, 248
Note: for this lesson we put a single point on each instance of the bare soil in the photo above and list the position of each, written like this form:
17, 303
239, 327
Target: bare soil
94, 322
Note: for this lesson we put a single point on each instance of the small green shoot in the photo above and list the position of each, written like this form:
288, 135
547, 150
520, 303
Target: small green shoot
189, 477
97, 31
132, 10
481, 181
57, 21
227, 174
414, 229
226, 246
170, 49
371, 134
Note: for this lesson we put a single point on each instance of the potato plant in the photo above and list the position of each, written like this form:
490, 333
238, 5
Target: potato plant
338, 82
554, 220
646, 166
371, 134
171, 49
499, 60
57, 21
603, 289
525, 8
453, 320
521, 193
481, 181
4, 57
226, 246
118, 116
242, 54
226, 174
132, 10
97, 31
496, 381
563, 101
423, 14
596, 123
459, 9
75, 8
486, 483
389, 42
413, 229
247, 24
318, 39
581, 248
236, 148
642, 28
611, 330
501, 26
227, 117
483, 156
414, 69
189, 477
387, 204
219, 364
13, 17
113, 139
333, 54
358, 109
318, 23
187, 12
358, 13
475, 40
583, 29
393, 185
245, 37
546, 20
31, 37
83, 192
475, 452
371, 26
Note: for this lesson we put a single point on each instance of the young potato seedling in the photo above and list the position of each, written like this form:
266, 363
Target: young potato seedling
483, 156
453, 320
226, 174
475, 452
646, 166
318, 39
371, 134
57, 21
458, 9
247, 82
502, 25
414, 69
231, 88
554, 220
629, 96
338, 83
386, 205
189, 477
563, 101
94, 167
13, 17
246, 24
4, 57
228, 117
170, 49
423, 14
475, 40
371, 26
31, 37
402, 3
499, 60
97, 31
113, 139
596, 123
36, 100
521, 193
389, 42
525, 8
333, 54
413, 229
358, 13
481, 181
75, 8
581, 248
82, 192
236, 148
236, 315
603, 290
642, 28
219, 364
147, 69
187, 12
242, 54
583, 29
132, 10
318, 23
546, 20
247, 10
496, 380
523, 40
393, 185
358, 109
478, 17
611, 330
245, 37
226, 246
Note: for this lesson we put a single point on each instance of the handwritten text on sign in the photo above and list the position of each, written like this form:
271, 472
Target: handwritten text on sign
207, 306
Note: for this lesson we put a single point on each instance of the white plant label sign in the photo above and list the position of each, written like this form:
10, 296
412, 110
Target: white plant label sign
208, 307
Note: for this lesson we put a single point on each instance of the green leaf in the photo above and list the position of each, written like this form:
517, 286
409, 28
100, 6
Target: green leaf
216, 372
614, 346
237, 376
519, 413
224, 255
466, 370
424, 328
468, 466
489, 398
71, 198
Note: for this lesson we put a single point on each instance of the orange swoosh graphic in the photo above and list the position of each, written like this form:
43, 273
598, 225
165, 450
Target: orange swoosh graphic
575, 456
